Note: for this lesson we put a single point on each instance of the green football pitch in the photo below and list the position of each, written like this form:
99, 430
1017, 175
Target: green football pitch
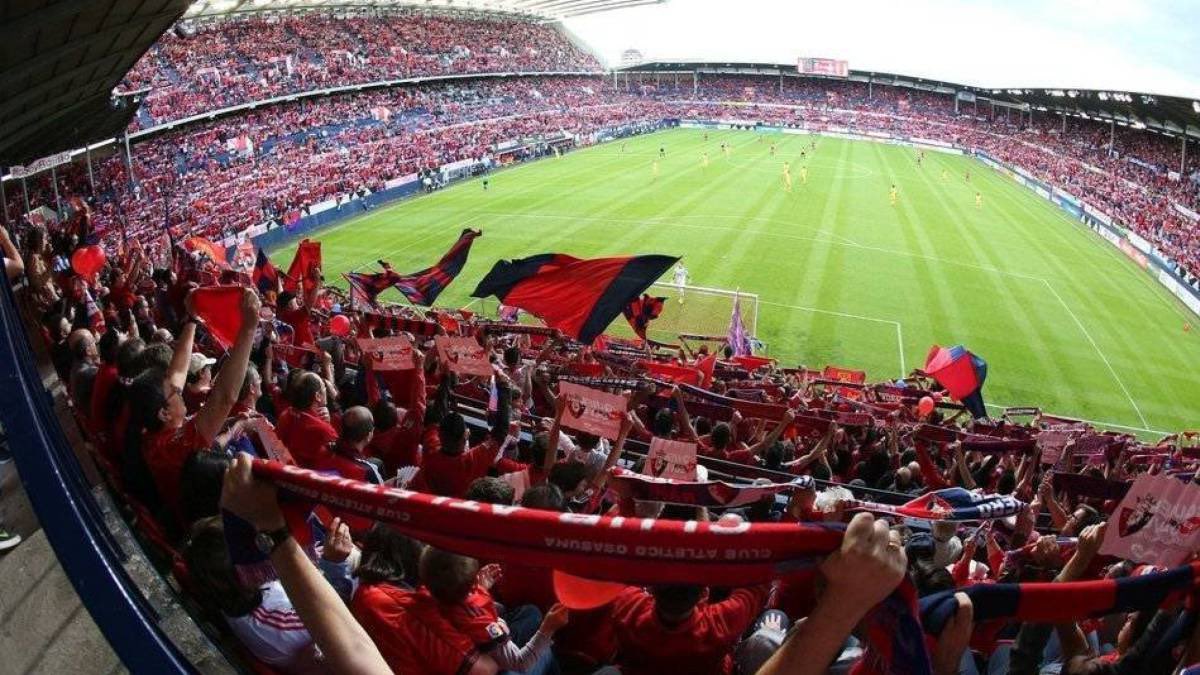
843, 277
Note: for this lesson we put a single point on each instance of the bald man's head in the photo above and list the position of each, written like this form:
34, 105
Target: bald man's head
358, 425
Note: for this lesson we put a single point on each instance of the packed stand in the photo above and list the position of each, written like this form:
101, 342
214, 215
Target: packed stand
176, 381
227, 62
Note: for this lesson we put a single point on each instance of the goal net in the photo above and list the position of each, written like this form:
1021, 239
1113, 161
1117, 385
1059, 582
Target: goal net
703, 311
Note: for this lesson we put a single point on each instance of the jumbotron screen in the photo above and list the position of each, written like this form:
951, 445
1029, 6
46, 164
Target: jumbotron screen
814, 66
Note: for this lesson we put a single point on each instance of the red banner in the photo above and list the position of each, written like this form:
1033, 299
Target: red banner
388, 354
592, 411
1157, 523
463, 355
671, 459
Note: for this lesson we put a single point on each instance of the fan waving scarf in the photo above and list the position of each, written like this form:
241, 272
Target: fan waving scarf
950, 504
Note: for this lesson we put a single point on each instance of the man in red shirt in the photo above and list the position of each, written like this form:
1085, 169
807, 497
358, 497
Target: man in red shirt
675, 629
161, 436
305, 427
451, 469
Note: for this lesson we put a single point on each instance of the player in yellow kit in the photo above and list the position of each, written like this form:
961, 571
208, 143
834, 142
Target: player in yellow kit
655, 167
804, 175
945, 176
704, 160
787, 177
894, 195
978, 200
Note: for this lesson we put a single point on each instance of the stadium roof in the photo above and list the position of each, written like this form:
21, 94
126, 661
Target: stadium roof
542, 9
1168, 114
60, 63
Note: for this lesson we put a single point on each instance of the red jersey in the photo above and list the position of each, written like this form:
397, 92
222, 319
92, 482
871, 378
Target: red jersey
410, 632
476, 618
299, 320
451, 475
166, 452
106, 379
305, 435
700, 645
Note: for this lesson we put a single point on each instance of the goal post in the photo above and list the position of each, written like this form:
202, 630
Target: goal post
704, 311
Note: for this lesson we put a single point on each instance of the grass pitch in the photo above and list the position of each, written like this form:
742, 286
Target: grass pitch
843, 277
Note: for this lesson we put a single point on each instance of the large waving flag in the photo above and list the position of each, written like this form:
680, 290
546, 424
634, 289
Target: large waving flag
365, 288
423, 288
739, 341
299, 274
579, 297
961, 373
206, 248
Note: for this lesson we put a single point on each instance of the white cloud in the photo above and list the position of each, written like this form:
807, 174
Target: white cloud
1149, 46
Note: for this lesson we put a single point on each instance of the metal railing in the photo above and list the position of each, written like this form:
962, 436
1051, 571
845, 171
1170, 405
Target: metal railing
67, 510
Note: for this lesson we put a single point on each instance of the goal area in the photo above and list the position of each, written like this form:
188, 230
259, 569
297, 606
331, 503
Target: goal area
702, 312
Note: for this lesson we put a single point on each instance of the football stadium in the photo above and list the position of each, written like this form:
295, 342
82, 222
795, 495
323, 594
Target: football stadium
599, 337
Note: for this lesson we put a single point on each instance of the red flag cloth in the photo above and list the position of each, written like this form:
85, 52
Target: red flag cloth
752, 363
221, 309
205, 247
706, 367
579, 297
308, 258
672, 372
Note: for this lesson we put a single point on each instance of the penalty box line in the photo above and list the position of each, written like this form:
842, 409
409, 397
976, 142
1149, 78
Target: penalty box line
899, 327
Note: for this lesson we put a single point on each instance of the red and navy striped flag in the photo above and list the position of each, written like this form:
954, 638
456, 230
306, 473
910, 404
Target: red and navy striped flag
265, 275
642, 311
579, 297
423, 288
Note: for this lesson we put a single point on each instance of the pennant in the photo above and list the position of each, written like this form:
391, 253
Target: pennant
579, 297
221, 309
642, 311
424, 287
739, 341
305, 262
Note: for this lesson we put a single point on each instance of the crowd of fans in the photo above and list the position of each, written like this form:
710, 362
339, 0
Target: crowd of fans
273, 163
226, 62
167, 409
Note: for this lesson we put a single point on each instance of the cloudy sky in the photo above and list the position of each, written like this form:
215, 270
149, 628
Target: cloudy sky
1130, 45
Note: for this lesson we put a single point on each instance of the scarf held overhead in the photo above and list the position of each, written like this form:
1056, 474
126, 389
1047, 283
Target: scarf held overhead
633, 550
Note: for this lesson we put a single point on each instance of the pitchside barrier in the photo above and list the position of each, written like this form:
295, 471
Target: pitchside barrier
1154, 262
68, 512
687, 310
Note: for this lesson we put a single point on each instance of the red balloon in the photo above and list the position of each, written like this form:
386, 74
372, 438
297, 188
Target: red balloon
87, 261
339, 325
925, 406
